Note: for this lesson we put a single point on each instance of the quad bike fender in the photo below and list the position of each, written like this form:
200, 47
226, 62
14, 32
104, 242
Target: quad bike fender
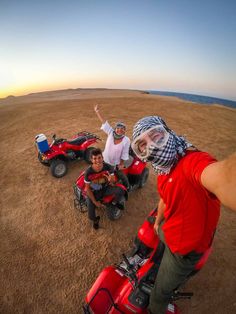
80, 186
146, 232
136, 167
109, 283
55, 152
80, 181
108, 198
88, 143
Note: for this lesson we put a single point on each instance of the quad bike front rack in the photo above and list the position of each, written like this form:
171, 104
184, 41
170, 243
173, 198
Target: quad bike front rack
88, 135
79, 203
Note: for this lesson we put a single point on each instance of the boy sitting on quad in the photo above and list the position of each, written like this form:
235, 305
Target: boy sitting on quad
99, 180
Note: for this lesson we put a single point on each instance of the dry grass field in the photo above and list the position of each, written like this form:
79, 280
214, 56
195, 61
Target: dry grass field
49, 253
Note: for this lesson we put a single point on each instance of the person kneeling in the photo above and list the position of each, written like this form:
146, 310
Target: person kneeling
99, 179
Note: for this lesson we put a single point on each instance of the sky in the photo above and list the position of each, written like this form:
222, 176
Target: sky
167, 45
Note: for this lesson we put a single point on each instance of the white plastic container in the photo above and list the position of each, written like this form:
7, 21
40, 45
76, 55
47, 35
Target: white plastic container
42, 143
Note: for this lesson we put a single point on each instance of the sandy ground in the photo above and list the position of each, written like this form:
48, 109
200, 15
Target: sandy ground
49, 254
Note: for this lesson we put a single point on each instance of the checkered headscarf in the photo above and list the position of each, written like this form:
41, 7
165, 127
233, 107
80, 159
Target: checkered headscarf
165, 158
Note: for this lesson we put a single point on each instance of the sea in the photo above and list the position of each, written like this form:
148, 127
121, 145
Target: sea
196, 98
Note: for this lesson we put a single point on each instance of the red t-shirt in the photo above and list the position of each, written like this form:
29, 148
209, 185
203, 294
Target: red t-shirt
191, 212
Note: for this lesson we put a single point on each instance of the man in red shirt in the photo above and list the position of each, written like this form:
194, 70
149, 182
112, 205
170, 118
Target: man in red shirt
189, 182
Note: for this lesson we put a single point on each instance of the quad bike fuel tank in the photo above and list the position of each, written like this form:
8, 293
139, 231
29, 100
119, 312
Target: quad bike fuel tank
42, 143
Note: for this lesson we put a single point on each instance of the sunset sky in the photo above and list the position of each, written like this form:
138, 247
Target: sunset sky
169, 45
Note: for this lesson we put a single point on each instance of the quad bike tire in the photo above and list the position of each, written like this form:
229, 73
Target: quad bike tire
113, 213
58, 168
143, 177
87, 154
41, 160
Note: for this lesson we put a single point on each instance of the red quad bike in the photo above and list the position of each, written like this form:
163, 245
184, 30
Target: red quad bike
126, 287
60, 151
113, 210
137, 175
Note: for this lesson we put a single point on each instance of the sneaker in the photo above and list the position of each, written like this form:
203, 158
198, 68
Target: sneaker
96, 222
130, 188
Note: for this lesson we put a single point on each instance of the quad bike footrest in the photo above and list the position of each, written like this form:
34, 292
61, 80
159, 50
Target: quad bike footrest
146, 288
181, 295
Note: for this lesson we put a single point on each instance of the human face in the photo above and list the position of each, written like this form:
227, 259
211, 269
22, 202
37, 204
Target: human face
156, 137
97, 161
120, 130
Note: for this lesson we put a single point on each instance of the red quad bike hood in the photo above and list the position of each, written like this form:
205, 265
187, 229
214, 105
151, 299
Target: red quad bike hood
110, 294
112, 290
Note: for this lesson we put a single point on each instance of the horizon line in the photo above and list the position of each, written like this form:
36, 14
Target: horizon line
107, 88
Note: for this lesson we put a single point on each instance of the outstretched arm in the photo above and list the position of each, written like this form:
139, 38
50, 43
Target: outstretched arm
220, 179
98, 114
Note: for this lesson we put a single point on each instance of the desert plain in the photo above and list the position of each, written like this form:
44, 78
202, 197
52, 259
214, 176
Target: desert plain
49, 253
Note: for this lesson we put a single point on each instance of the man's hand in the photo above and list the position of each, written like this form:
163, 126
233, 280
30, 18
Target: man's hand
220, 179
110, 178
120, 166
99, 204
156, 227
96, 108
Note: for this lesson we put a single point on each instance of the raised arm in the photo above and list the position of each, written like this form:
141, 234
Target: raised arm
98, 114
220, 179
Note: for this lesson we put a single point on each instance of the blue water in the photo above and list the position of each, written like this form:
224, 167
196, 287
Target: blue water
196, 98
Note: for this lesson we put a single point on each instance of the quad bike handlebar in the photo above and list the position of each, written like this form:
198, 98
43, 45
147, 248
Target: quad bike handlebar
131, 272
56, 140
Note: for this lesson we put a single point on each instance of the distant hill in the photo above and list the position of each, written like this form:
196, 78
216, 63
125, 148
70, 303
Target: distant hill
67, 94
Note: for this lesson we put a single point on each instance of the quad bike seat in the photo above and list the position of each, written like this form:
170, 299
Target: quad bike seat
78, 140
